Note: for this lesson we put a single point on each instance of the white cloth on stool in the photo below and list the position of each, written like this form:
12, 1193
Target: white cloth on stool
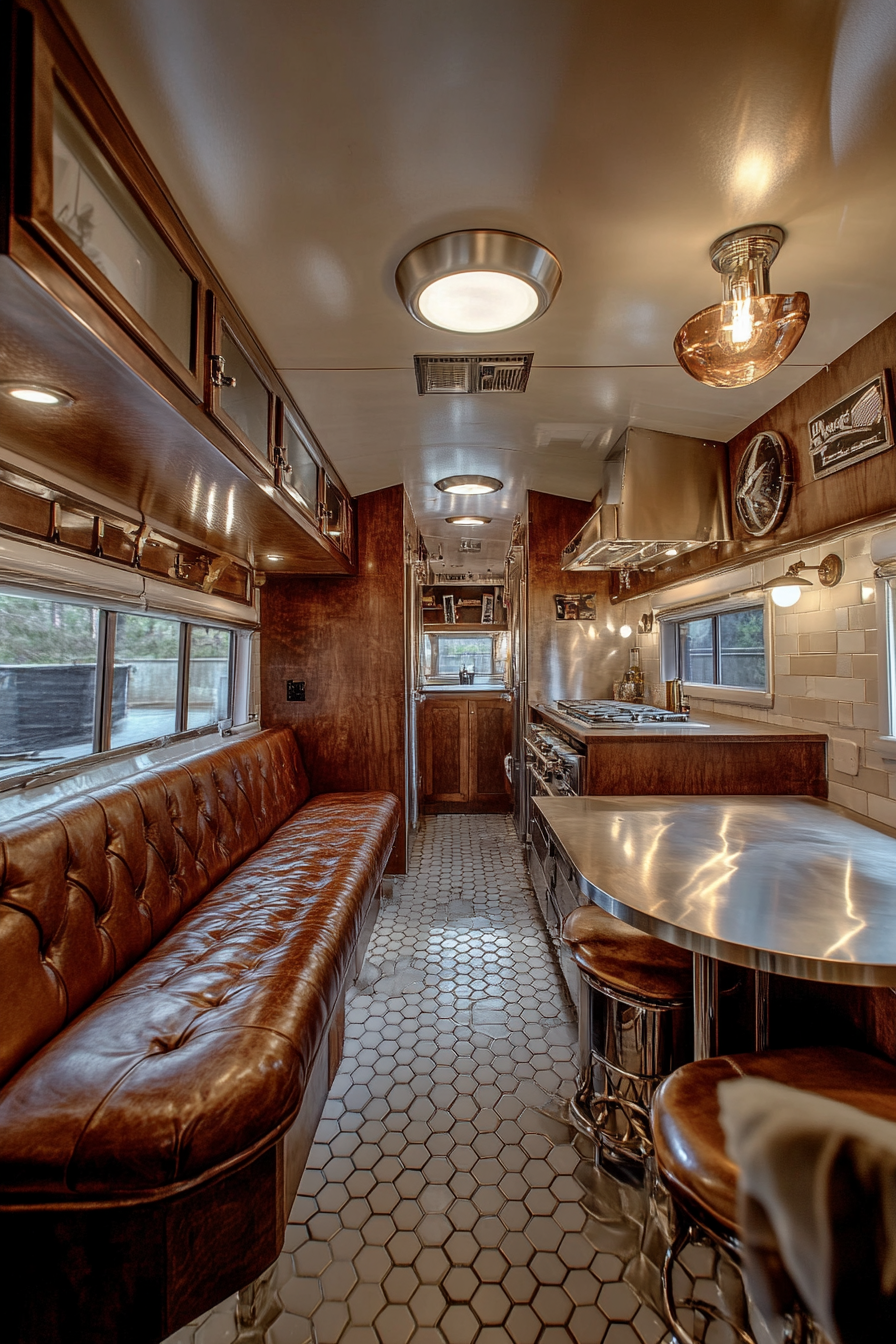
817, 1186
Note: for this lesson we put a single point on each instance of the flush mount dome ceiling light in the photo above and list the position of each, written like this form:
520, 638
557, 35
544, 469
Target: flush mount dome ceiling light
469, 485
477, 280
751, 332
468, 520
36, 394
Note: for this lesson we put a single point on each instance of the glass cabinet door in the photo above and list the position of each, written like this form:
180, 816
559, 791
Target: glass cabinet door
244, 398
98, 213
336, 517
301, 481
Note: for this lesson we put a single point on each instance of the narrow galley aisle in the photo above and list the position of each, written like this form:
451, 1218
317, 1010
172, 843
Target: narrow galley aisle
446, 1200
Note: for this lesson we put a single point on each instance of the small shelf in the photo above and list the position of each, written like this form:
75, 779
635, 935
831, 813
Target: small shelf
461, 625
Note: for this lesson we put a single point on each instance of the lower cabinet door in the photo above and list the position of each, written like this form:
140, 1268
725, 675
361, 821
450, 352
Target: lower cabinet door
465, 741
489, 744
446, 755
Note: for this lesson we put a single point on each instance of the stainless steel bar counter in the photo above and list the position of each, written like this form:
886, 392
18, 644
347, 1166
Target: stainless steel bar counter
785, 885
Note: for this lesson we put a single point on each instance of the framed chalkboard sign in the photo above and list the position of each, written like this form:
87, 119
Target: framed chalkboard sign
855, 427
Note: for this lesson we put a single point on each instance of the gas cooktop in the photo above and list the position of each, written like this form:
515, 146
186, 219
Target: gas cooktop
618, 713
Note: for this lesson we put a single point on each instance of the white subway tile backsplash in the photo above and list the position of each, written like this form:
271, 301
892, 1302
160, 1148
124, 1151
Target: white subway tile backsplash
841, 688
882, 809
866, 716
851, 641
854, 799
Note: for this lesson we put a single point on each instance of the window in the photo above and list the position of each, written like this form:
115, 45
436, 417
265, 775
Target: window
448, 654
723, 648
48, 666
77, 679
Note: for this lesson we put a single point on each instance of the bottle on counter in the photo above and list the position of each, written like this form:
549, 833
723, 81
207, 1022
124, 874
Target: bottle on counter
632, 686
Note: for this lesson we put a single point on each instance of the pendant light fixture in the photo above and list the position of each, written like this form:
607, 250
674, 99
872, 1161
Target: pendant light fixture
752, 331
477, 280
787, 590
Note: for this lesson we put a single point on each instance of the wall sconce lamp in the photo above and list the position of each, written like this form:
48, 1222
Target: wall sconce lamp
787, 589
751, 332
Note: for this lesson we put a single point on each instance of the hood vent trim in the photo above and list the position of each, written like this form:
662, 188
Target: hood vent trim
660, 493
438, 375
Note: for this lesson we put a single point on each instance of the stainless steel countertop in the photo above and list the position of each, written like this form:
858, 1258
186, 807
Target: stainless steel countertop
782, 884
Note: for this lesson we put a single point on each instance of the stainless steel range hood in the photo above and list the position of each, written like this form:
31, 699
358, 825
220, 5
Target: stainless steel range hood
661, 494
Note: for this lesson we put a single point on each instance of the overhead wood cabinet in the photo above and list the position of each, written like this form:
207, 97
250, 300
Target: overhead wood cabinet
465, 740
173, 407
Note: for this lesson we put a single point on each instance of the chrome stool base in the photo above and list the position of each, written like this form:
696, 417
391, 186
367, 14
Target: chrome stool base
799, 1328
627, 1046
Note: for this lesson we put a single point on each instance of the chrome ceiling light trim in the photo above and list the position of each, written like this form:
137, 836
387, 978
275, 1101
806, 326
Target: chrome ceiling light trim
469, 485
752, 331
478, 280
468, 520
35, 394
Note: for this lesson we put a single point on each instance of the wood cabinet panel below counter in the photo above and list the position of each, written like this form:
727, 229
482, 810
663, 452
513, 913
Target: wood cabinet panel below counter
714, 755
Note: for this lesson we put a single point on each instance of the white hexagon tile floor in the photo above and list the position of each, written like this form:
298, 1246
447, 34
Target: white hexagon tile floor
446, 1200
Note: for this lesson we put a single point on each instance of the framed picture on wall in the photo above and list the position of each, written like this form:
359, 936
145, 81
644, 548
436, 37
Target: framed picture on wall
448, 609
488, 608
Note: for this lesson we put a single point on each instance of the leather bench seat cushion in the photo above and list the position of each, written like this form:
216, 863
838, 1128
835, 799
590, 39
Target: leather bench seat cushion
88, 887
625, 959
197, 1057
688, 1137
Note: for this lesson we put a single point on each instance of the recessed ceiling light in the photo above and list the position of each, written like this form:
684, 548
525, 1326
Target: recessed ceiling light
37, 394
468, 521
469, 485
478, 280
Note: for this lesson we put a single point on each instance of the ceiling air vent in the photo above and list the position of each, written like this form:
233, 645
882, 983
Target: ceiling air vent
438, 374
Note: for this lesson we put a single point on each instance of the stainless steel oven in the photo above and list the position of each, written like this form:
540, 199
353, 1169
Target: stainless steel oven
555, 767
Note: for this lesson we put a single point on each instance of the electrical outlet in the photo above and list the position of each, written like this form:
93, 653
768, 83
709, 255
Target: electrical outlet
295, 690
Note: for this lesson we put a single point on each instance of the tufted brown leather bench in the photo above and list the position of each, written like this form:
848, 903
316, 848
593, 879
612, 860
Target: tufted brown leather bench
173, 959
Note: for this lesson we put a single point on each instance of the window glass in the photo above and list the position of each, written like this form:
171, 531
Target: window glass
302, 480
695, 640
742, 649
726, 648
247, 401
144, 699
97, 211
48, 662
208, 688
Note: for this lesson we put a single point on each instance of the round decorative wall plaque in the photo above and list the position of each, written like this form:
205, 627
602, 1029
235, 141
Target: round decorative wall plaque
762, 488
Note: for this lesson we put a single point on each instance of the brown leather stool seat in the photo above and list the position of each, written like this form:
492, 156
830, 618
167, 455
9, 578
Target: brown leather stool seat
635, 1025
626, 960
688, 1138
690, 1145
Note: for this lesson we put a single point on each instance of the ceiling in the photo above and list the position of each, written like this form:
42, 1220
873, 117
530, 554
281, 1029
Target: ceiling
311, 145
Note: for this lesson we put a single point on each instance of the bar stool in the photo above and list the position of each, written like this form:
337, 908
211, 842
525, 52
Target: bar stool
693, 1165
635, 1026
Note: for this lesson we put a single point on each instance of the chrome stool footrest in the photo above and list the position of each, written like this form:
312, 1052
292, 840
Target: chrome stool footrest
617, 1115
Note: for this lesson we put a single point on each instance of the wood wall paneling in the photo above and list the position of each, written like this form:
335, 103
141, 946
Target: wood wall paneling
344, 637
